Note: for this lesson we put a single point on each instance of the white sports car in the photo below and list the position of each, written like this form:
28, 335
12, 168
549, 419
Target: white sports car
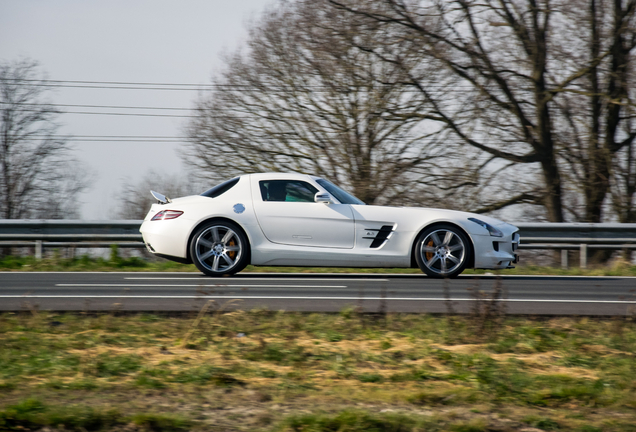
300, 220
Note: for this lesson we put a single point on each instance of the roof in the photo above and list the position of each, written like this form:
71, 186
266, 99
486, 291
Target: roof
278, 175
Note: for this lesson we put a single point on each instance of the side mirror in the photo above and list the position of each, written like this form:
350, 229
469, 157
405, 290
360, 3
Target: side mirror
323, 197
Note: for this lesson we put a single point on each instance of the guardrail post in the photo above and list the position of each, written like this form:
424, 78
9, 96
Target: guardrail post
38, 249
583, 255
564, 258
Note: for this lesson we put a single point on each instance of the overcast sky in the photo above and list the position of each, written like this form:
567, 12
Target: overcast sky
136, 41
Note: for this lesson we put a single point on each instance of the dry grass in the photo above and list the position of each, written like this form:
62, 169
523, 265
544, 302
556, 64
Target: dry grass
55, 261
262, 370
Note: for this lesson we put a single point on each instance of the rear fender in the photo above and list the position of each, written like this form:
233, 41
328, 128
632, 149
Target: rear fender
219, 219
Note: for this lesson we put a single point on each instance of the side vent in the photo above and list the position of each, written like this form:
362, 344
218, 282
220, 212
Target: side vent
381, 236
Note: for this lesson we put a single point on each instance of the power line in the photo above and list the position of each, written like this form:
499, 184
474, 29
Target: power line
133, 114
114, 87
135, 138
124, 140
101, 106
114, 140
138, 114
106, 107
113, 82
110, 138
107, 136
123, 114
124, 85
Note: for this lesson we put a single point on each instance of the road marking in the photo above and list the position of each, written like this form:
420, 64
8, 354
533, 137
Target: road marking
312, 277
197, 286
309, 275
229, 297
98, 272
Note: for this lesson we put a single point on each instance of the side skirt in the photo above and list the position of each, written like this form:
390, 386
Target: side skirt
175, 259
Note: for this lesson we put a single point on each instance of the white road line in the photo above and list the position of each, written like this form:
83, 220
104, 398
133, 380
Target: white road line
311, 277
197, 286
311, 298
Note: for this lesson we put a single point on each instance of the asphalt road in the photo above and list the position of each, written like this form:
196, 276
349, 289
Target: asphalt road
533, 295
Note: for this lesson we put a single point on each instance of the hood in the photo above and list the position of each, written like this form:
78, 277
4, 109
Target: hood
456, 214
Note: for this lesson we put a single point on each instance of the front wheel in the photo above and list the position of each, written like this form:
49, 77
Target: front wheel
219, 248
442, 251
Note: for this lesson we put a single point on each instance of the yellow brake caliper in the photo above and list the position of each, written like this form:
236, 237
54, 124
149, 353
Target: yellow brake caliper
232, 254
429, 255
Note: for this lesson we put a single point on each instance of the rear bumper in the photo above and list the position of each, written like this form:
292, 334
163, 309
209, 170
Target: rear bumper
166, 238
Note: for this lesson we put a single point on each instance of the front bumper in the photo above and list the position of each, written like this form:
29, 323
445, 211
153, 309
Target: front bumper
496, 252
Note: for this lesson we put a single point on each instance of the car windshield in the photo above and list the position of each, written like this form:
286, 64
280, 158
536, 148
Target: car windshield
342, 196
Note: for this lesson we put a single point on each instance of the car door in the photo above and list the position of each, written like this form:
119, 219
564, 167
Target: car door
287, 214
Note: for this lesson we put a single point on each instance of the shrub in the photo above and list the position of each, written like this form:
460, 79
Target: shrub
108, 365
352, 421
162, 422
370, 378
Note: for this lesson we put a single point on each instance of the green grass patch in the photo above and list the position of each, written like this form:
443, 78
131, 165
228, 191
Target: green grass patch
108, 365
353, 421
293, 371
162, 422
33, 414
116, 262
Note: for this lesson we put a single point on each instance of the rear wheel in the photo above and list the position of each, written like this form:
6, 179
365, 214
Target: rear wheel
219, 248
442, 251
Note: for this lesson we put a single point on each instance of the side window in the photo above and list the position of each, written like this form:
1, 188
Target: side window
220, 189
299, 191
287, 191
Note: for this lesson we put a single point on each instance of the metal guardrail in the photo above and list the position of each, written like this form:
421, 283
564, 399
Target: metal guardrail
88, 234
610, 233
46, 233
577, 236
69, 230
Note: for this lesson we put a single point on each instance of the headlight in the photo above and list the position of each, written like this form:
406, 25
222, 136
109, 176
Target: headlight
491, 229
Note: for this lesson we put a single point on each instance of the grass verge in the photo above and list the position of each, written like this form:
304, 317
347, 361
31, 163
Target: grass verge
115, 262
273, 371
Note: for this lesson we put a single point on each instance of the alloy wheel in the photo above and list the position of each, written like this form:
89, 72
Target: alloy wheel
443, 252
218, 248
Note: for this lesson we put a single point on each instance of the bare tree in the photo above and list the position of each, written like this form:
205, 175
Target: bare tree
38, 177
594, 111
514, 60
305, 98
623, 179
624, 186
135, 199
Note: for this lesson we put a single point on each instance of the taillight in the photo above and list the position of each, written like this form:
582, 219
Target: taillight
167, 214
